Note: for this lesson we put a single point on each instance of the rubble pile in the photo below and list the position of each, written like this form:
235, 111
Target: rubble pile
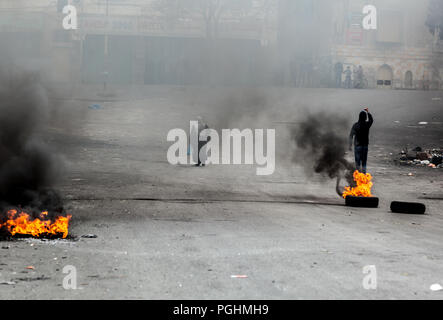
422, 158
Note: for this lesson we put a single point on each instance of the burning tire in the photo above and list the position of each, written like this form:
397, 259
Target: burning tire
362, 202
408, 207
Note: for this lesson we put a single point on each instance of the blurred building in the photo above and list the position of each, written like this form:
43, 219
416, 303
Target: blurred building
185, 42
143, 41
401, 53
28, 37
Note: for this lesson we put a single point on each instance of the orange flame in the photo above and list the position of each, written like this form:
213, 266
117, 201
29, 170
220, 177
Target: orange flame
363, 188
21, 223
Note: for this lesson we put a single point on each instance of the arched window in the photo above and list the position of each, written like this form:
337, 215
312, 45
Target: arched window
384, 76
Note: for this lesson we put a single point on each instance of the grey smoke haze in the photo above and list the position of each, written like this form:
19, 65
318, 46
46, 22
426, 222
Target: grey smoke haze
28, 167
241, 108
321, 141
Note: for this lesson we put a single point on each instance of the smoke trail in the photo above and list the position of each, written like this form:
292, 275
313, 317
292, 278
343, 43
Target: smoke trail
320, 147
28, 167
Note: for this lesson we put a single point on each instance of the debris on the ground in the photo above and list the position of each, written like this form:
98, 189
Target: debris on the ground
239, 276
30, 267
9, 283
5, 247
423, 123
95, 107
436, 287
422, 158
42, 277
89, 236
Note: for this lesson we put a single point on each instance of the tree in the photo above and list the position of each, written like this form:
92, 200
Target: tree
210, 11
435, 18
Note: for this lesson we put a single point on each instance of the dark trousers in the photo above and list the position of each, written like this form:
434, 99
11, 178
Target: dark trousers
361, 158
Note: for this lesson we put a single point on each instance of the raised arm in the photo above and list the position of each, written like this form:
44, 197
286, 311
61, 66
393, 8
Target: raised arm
370, 120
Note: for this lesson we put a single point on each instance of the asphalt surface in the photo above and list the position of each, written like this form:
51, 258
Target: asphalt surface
181, 232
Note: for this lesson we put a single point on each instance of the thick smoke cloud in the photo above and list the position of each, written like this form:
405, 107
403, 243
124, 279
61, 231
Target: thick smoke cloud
28, 167
321, 142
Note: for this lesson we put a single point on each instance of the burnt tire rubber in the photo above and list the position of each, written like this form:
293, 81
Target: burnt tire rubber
408, 207
362, 202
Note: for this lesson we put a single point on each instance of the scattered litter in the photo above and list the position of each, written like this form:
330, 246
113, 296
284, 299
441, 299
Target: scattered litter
239, 276
30, 267
410, 174
396, 121
89, 236
8, 283
422, 123
419, 157
95, 107
437, 159
436, 287
42, 277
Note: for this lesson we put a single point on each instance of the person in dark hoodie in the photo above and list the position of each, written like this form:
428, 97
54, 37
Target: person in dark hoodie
200, 161
360, 137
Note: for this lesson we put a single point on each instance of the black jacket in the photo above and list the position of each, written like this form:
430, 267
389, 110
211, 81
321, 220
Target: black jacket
360, 130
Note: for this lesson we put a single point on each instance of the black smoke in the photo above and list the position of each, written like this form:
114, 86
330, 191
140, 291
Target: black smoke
28, 167
321, 143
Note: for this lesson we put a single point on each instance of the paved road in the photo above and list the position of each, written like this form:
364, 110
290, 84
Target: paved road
180, 232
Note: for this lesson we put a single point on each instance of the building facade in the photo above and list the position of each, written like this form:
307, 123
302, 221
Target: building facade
401, 53
184, 42
319, 38
143, 41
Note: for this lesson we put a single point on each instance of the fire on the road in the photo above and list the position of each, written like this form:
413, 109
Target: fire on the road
21, 223
363, 188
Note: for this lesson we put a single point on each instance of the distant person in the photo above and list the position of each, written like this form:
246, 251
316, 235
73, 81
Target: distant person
360, 137
348, 79
426, 81
360, 76
338, 74
201, 144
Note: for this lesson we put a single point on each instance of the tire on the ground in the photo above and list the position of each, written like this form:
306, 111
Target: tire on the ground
362, 202
408, 207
